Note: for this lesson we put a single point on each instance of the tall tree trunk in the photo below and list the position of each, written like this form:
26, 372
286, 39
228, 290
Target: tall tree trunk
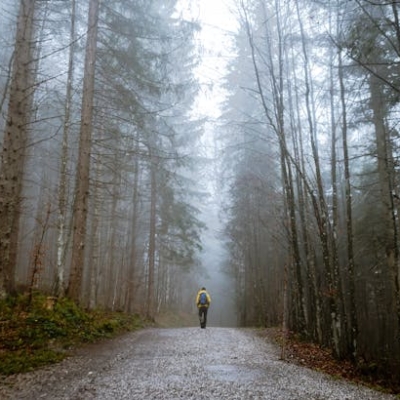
62, 190
113, 266
95, 273
14, 148
83, 168
337, 273
353, 323
132, 263
397, 268
152, 240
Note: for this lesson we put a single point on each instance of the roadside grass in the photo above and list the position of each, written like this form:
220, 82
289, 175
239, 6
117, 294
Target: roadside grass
38, 331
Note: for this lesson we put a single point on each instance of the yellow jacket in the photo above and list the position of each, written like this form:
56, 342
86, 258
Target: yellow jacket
198, 299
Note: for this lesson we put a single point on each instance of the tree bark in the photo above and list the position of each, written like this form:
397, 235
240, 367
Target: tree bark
152, 240
353, 324
62, 189
132, 263
15, 143
83, 167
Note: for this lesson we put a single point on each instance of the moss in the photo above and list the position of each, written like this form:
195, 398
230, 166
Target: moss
25, 360
35, 332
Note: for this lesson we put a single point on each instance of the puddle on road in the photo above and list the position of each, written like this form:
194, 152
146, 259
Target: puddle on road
234, 373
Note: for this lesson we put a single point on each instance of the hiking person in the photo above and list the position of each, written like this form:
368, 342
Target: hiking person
203, 301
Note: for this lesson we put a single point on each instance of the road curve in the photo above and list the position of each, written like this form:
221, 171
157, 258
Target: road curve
186, 363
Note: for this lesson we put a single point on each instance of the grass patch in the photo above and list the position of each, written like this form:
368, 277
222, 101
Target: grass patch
39, 332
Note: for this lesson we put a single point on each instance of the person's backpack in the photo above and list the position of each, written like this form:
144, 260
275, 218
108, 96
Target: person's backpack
203, 299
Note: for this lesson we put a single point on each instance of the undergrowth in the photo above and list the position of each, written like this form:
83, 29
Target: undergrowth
35, 333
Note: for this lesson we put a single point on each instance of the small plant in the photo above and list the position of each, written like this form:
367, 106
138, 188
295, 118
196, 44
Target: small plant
32, 334
24, 361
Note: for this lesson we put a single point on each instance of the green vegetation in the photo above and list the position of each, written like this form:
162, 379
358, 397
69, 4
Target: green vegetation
38, 331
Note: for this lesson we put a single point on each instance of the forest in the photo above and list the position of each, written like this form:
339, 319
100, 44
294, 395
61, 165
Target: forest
102, 149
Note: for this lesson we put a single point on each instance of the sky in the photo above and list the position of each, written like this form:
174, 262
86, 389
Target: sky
218, 27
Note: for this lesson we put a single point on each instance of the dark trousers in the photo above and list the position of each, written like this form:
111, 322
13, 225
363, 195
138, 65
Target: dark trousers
203, 314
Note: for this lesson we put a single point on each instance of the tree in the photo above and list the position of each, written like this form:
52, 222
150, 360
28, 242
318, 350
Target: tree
62, 190
15, 143
83, 168
326, 93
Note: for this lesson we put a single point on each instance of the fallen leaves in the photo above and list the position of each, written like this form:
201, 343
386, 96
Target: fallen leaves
321, 359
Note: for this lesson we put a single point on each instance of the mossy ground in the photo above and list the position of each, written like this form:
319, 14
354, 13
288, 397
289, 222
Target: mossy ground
36, 332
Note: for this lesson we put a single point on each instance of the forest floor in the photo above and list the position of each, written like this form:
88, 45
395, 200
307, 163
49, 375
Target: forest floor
315, 357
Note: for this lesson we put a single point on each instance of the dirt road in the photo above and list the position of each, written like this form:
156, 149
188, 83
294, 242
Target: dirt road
187, 363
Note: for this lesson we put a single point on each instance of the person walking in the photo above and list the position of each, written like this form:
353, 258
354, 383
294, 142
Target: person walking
203, 301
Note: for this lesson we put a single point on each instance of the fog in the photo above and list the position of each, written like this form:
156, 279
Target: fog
217, 25
218, 283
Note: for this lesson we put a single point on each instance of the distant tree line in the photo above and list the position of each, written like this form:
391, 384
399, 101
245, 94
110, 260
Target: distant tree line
311, 138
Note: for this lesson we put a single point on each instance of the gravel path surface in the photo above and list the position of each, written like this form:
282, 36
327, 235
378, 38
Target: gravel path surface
187, 363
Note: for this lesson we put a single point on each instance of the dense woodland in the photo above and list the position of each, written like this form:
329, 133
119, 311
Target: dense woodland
96, 156
98, 195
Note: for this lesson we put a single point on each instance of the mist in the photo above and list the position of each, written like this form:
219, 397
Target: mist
219, 284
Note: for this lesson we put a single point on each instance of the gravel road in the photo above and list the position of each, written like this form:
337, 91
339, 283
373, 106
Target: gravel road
186, 363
